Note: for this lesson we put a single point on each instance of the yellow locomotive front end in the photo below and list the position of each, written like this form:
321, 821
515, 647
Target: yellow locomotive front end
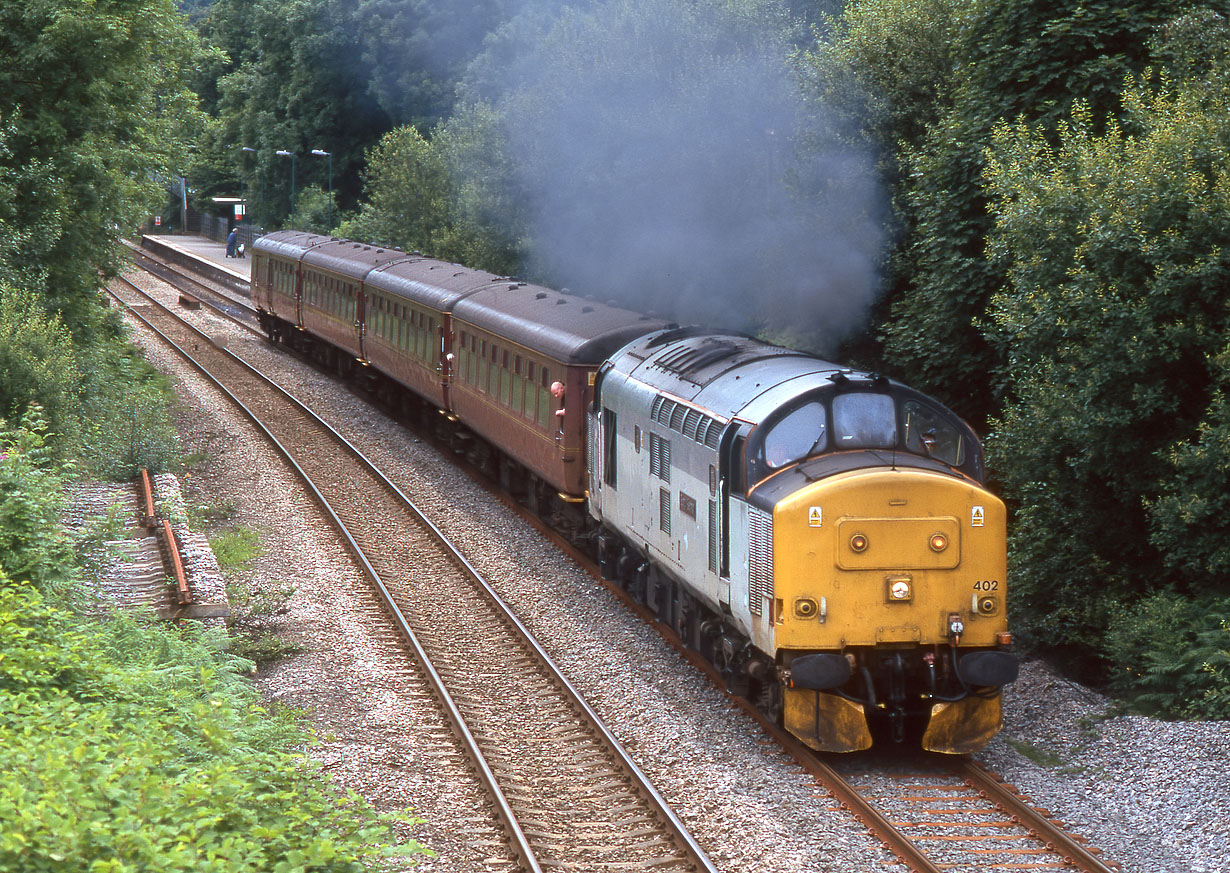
889, 586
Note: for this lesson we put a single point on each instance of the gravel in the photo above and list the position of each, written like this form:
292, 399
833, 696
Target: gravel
1154, 796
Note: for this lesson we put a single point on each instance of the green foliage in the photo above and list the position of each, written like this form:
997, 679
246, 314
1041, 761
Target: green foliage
407, 193
136, 747
295, 79
448, 197
93, 104
42, 651
33, 548
126, 412
252, 604
418, 50
96, 393
1170, 655
1028, 60
1113, 322
888, 68
236, 548
1190, 517
314, 211
38, 363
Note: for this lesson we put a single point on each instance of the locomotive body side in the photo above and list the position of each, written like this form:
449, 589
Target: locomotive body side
825, 536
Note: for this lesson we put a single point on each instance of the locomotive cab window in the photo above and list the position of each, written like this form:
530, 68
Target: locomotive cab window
799, 434
864, 421
930, 433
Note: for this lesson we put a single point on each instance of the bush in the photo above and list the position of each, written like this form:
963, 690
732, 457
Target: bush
32, 545
126, 414
130, 746
37, 361
1171, 656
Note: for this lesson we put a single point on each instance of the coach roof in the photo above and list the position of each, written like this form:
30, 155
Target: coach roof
561, 326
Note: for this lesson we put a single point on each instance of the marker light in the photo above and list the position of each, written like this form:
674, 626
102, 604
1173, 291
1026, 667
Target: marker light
805, 607
939, 542
858, 543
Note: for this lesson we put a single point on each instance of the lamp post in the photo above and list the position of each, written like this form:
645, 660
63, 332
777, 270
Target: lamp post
329, 155
243, 154
284, 153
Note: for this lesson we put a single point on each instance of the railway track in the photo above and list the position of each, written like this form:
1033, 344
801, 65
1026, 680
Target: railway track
568, 795
222, 298
931, 813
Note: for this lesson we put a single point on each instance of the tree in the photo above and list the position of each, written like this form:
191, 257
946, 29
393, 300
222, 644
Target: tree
1115, 328
994, 60
295, 81
93, 104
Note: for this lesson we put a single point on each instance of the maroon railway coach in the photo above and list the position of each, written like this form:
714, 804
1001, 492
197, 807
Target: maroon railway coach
483, 349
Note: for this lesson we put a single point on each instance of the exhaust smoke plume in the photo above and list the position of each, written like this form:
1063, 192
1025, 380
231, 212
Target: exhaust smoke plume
673, 169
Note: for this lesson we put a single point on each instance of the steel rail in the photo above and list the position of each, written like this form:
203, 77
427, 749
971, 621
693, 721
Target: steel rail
148, 518
1052, 836
173, 274
658, 803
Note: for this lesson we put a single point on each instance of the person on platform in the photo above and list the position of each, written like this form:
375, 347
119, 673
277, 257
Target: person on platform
231, 242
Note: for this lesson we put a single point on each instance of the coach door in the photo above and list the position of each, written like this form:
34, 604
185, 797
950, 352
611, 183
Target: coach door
360, 322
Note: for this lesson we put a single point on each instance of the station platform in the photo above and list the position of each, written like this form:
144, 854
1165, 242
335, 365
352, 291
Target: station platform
212, 250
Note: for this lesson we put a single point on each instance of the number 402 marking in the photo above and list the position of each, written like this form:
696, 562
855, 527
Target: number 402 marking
990, 585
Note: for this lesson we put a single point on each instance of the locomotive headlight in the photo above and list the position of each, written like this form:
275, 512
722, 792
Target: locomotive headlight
858, 543
986, 605
938, 542
805, 607
899, 588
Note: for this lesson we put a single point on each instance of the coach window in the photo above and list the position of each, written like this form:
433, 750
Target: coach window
531, 396
506, 379
518, 385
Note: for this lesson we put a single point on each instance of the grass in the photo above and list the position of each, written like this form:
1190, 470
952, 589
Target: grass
236, 548
1041, 757
211, 514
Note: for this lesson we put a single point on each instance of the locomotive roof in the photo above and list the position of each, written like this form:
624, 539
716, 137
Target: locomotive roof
561, 326
726, 374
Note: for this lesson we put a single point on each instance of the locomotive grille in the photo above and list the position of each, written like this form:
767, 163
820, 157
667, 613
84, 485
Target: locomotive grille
664, 510
692, 423
760, 554
659, 457
713, 536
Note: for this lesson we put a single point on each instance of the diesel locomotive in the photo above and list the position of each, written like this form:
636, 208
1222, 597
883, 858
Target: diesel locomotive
822, 535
